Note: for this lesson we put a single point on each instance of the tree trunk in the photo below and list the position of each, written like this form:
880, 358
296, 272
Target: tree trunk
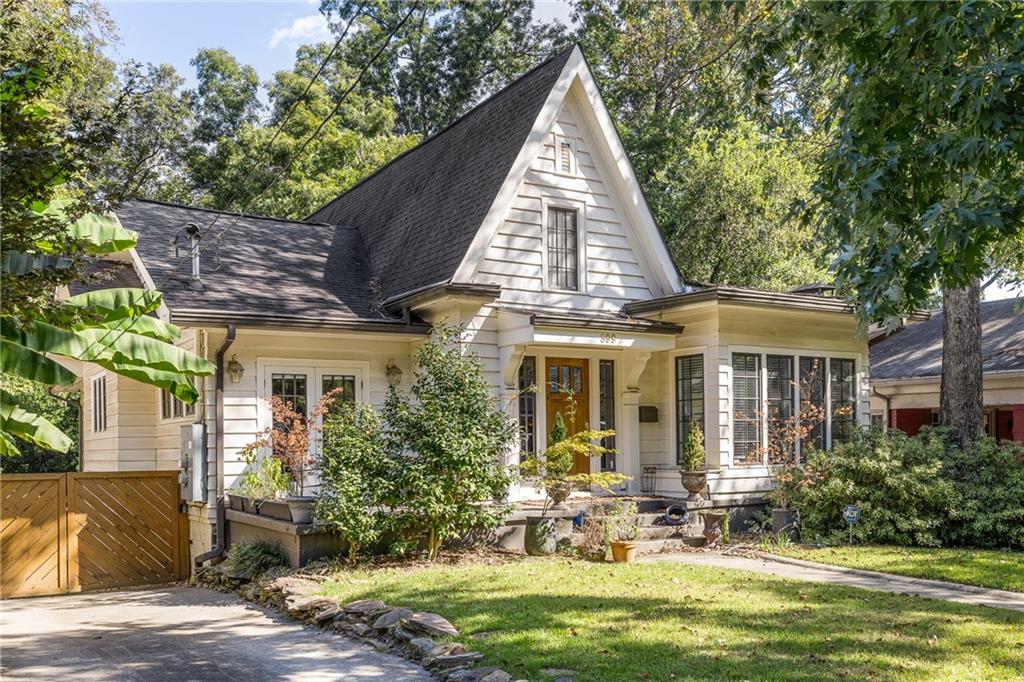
961, 394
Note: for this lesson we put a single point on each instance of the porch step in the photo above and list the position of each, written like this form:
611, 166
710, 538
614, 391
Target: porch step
669, 544
666, 532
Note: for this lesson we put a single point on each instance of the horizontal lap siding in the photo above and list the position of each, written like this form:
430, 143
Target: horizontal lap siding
514, 259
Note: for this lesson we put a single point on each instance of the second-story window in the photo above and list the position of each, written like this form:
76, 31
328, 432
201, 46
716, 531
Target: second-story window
563, 249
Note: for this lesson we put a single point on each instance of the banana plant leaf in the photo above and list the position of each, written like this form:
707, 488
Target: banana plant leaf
101, 233
8, 448
118, 303
30, 427
28, 364
115, 346
180, 385
19, 263
146, 326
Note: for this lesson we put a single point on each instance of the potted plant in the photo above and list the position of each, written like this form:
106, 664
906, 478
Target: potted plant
552, 473
263, 482
623, 531
694, 474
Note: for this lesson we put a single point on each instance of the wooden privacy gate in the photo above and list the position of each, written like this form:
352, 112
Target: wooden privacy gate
86, 531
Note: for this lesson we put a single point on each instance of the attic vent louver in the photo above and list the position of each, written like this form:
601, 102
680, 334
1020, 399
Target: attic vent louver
565, 157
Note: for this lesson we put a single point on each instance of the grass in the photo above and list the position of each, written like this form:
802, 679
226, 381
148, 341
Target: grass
981, 567
665, 621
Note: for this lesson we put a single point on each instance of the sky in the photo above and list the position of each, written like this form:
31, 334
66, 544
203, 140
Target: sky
264, 35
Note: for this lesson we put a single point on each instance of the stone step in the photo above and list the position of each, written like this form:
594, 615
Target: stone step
663, 532
669, 545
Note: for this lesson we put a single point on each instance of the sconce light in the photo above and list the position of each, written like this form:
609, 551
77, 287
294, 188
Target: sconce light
235, 370
394, 374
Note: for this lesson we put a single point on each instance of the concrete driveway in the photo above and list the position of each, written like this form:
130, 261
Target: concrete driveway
176, 633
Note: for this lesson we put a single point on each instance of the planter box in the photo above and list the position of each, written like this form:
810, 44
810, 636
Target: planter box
236, 502
301, 542
275, 509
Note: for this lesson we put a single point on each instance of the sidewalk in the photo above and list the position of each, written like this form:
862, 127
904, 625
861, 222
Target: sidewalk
797, 569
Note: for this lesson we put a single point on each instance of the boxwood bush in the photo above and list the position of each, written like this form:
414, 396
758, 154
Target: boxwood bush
922, 490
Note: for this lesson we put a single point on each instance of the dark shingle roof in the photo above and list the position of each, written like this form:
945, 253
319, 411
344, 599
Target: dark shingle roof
419, 214
916, 350
268, 266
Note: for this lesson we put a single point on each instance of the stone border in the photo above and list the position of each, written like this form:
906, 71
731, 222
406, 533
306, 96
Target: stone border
391, 629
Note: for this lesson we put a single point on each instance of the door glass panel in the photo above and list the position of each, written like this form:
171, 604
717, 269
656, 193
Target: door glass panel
577, 380
290, 388
344, 384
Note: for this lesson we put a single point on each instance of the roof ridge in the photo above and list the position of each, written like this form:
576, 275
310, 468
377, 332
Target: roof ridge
488, 100
174, 204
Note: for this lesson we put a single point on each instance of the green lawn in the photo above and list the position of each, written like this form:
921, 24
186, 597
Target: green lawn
664, 621
986, 568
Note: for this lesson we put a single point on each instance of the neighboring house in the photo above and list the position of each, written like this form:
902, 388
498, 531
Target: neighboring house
524, 222
906, 370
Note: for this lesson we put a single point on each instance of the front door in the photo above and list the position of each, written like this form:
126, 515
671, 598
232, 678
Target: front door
567, 393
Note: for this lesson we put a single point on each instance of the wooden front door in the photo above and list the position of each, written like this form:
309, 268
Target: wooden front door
568, 393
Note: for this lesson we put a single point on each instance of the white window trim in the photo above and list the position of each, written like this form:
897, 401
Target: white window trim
314, 369
98, 415
581, 242
763, 352
559, 140
184, 417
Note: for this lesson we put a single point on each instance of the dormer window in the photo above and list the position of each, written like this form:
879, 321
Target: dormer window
563, 248
565, 155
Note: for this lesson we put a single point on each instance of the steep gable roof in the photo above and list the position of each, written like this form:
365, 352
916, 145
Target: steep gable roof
419, 214
916, 350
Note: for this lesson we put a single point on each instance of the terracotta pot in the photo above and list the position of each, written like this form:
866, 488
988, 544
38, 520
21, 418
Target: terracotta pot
539, 536
694, 483
624, 551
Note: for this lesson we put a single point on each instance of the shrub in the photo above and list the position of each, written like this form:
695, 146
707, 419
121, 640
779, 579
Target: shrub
896, 480
989, 480
355, 476
694, 456
253, 559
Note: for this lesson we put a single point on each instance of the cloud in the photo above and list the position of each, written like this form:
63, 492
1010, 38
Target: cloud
310, 29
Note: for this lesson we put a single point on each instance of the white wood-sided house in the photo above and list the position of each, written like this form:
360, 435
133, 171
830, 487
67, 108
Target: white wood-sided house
524, 222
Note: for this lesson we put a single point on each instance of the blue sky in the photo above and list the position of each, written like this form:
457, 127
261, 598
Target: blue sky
262, 34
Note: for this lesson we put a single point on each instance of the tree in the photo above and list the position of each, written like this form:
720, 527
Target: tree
448, 56
457, 438
721, 159
61, 411
921, 182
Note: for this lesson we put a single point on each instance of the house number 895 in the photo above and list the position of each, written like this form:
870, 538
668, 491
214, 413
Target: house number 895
609, 338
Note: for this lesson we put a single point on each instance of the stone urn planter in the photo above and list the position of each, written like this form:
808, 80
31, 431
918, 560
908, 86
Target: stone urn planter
539, 536
786, 522
300, 508
624, 551
559, 494
712, 527
694, 482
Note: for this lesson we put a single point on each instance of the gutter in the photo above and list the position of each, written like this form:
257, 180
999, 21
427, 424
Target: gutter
752, 297
410, 299
208, 318
221, 544
888, 405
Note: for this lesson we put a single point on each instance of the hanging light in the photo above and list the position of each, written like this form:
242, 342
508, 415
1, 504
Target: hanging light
394, 374
235, 369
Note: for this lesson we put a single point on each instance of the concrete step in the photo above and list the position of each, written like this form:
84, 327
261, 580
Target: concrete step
662, 532
669, 545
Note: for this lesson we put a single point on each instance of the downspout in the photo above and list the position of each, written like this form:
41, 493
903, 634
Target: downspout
888, 405
220, 544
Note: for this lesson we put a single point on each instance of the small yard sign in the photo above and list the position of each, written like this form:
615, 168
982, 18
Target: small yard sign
851, 513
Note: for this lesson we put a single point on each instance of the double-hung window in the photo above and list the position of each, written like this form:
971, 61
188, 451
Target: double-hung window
812, 404
528, 405
689, 399
563, 248
171, 407
779, 399
843, 399
746, 417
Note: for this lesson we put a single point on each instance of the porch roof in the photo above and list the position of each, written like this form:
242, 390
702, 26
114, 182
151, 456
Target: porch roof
576, 319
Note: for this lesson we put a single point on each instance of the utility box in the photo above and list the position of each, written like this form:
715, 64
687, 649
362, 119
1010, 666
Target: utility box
192, 475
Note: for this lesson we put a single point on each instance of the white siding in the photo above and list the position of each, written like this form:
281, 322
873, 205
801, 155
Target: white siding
613, 273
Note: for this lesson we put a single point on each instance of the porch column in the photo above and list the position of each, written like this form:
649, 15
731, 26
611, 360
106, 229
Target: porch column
628, 439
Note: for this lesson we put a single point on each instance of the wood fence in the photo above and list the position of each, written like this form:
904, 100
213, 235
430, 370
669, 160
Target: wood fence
85, 531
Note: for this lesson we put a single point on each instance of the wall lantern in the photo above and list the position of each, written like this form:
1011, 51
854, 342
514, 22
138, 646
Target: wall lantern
394, 374
235, 369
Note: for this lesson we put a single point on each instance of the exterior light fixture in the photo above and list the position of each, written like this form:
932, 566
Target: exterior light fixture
394, 374
235, 369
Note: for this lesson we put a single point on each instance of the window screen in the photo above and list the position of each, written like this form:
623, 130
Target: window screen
812, 403
843, 398
746, 418
779, 369
528, 405
689, 398
607, 410
562, 249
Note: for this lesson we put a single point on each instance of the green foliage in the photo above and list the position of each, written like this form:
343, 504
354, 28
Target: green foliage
253, 559
621, 524
457, 437
264, 478
923, 490
62, 413
551, 472
356, 475
921, 177
694, 457
559, 432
